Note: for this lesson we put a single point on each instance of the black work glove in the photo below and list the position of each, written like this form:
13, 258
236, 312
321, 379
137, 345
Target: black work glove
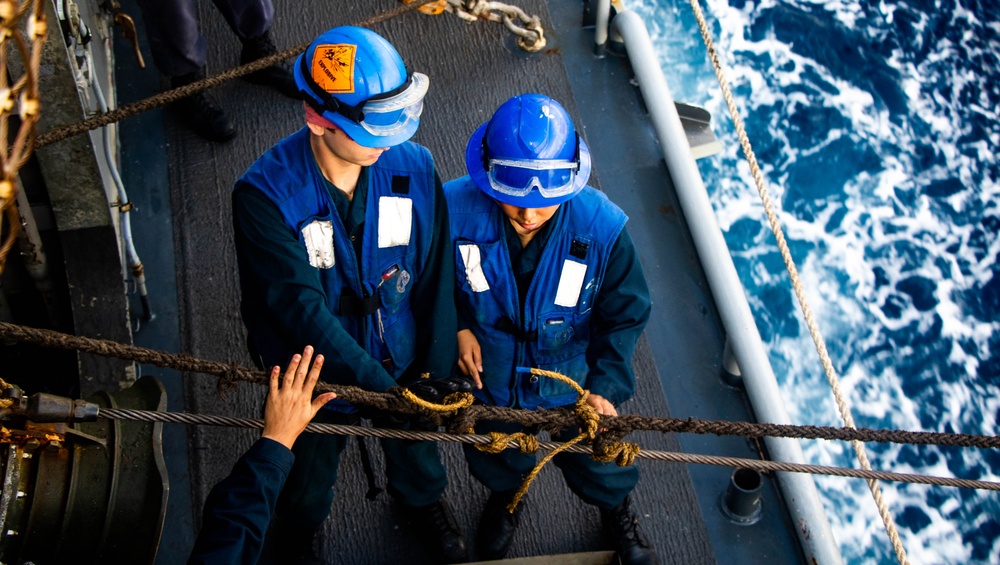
435, 390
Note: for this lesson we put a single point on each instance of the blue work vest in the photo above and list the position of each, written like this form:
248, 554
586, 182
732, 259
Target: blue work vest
371, 300
554, 332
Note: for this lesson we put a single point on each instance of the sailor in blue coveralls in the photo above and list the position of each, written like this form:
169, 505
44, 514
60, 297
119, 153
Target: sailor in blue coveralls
342, 240
547, 277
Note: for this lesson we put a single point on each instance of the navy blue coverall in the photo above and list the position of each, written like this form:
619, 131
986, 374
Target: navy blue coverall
624, 296
178, 46
239, 508
415, 475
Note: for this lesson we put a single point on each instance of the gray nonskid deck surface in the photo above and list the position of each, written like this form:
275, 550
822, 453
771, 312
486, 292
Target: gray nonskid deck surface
472, 71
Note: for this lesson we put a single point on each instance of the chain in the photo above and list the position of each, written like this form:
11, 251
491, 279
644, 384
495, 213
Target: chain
531, 36
19, 98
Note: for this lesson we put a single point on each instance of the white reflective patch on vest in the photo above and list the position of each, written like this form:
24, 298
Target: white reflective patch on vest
474, 267
570, 283
395, 221
319, 243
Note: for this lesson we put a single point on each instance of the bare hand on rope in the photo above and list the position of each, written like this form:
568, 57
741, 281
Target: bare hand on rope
290, 406
601, 405
470, 356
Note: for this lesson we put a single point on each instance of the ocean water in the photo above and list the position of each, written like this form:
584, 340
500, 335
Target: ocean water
876, 127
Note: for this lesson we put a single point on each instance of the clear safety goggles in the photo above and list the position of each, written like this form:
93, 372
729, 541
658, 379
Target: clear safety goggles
517, 177
393, 114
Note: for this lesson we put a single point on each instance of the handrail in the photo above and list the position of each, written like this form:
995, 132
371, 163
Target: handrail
801, 496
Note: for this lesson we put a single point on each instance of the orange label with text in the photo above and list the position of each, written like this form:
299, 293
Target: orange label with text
333, 68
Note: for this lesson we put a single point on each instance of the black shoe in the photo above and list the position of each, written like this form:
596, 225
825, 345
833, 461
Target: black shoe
497, 525
201, 112
295, 546
441, 529
630, 542
276, 76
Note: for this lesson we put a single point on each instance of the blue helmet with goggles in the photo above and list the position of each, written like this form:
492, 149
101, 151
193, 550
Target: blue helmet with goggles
529, 154
355, 78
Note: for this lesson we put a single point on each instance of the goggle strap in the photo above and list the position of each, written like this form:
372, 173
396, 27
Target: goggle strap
327, 102
486, 153
390, 93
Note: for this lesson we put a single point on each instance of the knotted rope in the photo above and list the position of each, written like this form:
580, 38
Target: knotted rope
464, 419
620, 452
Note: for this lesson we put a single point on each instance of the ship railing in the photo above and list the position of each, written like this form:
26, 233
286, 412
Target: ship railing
743, 337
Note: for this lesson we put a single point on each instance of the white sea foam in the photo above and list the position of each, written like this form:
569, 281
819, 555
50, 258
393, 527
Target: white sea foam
888, 222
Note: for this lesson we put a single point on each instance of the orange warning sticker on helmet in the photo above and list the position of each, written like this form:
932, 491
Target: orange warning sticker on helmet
333, 67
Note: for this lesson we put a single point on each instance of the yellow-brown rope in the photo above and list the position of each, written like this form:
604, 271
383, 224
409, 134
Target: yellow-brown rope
772, 218
591, 421
527, 443
6, 402
452, 402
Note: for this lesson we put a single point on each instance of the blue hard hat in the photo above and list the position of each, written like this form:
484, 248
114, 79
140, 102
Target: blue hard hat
529, 154
355, 78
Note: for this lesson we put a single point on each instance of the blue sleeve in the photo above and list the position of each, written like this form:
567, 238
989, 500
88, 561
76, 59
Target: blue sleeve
433, 300
293, 293
620, 314
239, 508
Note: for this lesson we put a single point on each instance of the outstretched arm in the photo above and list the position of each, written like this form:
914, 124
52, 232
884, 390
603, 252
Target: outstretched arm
239, 508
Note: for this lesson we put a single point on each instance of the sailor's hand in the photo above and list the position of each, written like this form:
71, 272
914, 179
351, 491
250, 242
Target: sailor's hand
291, 406
601, 405
470, 356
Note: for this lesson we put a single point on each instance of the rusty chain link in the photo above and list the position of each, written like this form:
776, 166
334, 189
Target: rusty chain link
531, 36
17, 98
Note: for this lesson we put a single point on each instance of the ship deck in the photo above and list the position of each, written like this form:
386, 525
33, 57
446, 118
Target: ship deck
182, 223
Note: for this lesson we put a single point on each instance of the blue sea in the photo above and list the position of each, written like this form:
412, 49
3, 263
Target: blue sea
876, 125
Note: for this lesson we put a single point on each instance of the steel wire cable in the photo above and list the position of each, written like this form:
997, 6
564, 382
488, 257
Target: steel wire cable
474, 439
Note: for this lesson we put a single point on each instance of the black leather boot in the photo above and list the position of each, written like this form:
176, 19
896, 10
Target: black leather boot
621, 525
201, 112
276, 76
441, 530
497, 525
